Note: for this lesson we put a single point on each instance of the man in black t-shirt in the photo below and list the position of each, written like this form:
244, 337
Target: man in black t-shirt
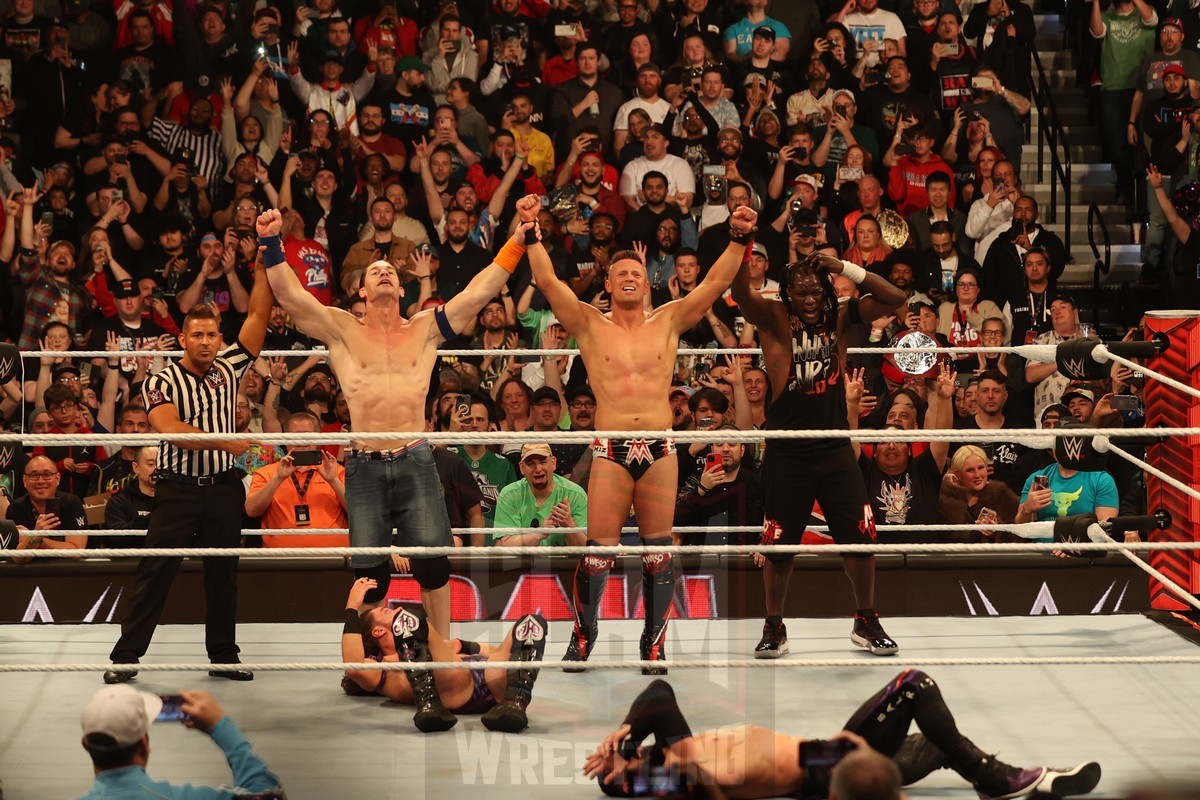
903, 488
131, 330
993, 394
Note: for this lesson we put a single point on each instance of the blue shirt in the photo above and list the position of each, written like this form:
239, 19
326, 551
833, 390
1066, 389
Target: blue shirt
743, 31
250, 775
1082, 493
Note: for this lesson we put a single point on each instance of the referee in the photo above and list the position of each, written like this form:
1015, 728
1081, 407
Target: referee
198, 494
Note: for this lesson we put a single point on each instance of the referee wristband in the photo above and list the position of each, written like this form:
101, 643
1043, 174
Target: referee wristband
352, 627
273, 256
854, 272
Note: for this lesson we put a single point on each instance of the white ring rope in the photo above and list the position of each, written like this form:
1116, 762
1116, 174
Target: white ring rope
1031, 528
1102, 444
1034, 352
1102, 354
599, 550
1098, 534
610, 665
1032, 437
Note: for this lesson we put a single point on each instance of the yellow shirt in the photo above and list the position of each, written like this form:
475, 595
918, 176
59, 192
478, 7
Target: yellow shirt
541, 152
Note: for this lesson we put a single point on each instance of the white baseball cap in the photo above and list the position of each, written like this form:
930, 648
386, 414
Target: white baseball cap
122, 712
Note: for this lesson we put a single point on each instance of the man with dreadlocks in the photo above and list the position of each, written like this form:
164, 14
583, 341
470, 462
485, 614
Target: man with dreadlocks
804, 348
630, 356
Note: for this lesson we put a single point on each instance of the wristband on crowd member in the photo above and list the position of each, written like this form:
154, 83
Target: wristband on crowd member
352, 627
854, 272
273, 255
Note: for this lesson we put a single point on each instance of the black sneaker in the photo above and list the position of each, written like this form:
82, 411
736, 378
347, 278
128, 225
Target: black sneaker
119, 676
656, 651
1079, 779
999, 781
580, 647
869, 633
774, 641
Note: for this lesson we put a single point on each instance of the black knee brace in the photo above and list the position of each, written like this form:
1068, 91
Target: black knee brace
382, 575
431, 573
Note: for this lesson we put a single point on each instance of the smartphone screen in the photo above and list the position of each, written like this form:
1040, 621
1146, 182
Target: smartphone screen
1125, 402
1041, 482
172, 710
306, 458
824, 754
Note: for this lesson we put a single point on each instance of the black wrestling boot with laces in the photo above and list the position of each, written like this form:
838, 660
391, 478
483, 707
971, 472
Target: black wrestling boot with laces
411, 632
529, 644
580, 647
654, 649
868, 632
774, 642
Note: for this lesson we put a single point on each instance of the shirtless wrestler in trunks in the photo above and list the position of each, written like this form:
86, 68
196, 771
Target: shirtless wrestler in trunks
749, 761
404, 634
630, 358
383, 362
804, 347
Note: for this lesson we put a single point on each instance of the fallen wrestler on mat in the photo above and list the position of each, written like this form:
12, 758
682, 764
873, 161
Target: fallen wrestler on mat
749, 761
404, 634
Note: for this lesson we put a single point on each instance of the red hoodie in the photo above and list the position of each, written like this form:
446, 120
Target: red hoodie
906, 182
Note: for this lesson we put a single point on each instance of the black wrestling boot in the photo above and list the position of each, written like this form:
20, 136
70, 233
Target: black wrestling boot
580, 647
868, 632
654, 648
529, 644
411, 632
774, 641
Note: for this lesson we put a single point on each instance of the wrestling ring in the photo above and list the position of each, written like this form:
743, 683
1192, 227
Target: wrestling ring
1043, 688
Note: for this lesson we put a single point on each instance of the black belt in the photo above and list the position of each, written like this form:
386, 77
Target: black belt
191, 480
393, 454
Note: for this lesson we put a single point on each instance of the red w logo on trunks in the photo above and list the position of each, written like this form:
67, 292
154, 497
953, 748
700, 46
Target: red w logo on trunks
866, 525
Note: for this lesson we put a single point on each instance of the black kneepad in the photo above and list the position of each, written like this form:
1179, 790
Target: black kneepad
431, 573
382, 575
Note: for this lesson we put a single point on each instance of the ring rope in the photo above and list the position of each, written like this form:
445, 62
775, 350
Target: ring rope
1034, 528
1034, 437
1098, 534
1103, 444
1102, 353
712, 663
1039, 352
598, 550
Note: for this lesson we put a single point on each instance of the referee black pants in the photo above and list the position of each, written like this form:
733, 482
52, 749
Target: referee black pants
186, 515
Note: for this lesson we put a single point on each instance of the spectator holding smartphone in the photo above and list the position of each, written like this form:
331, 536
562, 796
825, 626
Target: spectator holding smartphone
727, 491
968, 496
45, 509
1058, 491
116, 734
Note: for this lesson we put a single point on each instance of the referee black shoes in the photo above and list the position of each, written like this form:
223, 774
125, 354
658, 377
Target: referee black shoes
235, 674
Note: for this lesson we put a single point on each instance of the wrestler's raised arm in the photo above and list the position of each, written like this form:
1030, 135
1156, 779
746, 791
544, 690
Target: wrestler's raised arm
690, 309
254, 329
310, 316
464, 306
569, 309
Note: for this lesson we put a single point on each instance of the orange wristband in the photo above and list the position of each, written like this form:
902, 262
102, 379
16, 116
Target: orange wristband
510, 255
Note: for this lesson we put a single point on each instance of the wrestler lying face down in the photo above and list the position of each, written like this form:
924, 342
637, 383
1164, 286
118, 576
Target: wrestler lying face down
753, 762
404, 634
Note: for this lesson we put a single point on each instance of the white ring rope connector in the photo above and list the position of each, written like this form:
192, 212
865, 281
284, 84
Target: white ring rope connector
1033, 437
1034, 352
1102, 444
1099, 535
599, 550
1102, 354
1031, 529
614, 665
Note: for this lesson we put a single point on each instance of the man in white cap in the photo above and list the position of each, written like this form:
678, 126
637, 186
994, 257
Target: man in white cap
116, 725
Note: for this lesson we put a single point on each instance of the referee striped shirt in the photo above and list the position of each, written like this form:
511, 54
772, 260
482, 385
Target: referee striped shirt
207, 402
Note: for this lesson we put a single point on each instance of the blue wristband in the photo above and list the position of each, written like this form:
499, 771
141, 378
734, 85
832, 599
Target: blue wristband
274, 253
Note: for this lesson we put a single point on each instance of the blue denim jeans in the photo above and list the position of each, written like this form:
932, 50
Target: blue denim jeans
401, 492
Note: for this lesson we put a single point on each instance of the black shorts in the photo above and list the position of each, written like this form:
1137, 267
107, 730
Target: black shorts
794, 477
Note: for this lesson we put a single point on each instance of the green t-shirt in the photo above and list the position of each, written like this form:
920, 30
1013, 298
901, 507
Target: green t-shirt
1127, 40
517, 508
492, 473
